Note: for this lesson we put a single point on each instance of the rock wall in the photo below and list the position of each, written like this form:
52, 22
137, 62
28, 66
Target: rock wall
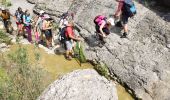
142, 61
81, 85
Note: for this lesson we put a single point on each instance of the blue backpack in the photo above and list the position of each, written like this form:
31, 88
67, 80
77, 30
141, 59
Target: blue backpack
129, 8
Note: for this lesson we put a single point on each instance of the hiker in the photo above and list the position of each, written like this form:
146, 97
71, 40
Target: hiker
5, 15
70, 38
62, 28
63, 21
27, 25
38, 26
126, 9
103, 25
47, 28
19, 20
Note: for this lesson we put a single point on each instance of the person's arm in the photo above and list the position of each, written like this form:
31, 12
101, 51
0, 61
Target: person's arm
61, 23
38, 21
24, 21
74, 38
69, 30
11, 15
45, 25
101, 29
119, 8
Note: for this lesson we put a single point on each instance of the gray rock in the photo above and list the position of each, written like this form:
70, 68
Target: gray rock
81, 85
3, 47
142, 61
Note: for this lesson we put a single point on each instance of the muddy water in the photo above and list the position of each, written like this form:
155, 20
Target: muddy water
57, 66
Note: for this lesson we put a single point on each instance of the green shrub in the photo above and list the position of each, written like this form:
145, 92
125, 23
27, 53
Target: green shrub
102, 69
78, 50
7, 3
4, 38
22, 81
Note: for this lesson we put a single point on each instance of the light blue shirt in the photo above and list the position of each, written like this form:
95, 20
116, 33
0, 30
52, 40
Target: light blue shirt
27, 20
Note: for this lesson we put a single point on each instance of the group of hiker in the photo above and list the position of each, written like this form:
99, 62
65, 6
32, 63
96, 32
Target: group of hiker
42, 25
125, 10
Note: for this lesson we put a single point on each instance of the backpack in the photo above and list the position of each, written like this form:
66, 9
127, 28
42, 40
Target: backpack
40, 24
19, 16
62, 37
129, 8
98, 19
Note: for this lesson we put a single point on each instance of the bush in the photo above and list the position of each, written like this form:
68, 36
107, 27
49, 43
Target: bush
4, 38
22, 81
80, 53
102, 69
7, 3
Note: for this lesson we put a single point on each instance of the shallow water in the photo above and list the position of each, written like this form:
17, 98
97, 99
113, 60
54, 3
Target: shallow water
57, 66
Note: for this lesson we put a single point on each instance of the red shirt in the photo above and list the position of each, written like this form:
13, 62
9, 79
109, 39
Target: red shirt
69, 31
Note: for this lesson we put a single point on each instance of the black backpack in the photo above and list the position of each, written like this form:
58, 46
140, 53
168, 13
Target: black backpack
62, 35
129, 8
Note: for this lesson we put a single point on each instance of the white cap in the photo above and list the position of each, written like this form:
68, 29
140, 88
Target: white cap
46, 16
2, 8
42, 11
111, 21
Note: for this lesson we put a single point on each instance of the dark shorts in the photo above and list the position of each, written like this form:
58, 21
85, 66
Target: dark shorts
48, 33
105, 30
124, 18
5, 23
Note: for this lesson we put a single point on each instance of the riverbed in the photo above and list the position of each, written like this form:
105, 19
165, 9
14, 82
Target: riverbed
56, 65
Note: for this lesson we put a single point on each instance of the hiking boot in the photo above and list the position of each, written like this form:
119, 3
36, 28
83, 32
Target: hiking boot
124, 35
69, 58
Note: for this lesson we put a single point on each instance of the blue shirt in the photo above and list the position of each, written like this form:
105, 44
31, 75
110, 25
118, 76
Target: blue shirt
27, 20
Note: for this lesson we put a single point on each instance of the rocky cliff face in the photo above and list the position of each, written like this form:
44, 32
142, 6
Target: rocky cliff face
142, 61
81, 85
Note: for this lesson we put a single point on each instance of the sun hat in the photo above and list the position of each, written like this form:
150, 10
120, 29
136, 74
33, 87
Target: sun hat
111, 21
46, 16
41, 12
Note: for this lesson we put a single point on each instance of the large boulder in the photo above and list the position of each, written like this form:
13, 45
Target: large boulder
81, 85
142, 61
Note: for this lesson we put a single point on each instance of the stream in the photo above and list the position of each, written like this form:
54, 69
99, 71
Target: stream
56, 65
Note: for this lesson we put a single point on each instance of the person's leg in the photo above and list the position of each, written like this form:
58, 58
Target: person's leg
50, 37
47, 38
125, 26
47, 42
28, 29
69, 49
5, 24
20, 28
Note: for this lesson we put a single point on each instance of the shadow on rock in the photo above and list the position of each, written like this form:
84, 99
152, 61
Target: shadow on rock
92, 40
116, 30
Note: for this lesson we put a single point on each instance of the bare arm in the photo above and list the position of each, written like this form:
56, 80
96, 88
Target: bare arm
45, 26
101, 28
119, 8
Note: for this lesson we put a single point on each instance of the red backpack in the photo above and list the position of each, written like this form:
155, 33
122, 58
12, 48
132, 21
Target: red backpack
98, 19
